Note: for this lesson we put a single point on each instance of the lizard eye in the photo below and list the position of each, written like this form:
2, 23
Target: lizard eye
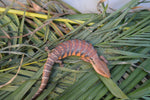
92, 60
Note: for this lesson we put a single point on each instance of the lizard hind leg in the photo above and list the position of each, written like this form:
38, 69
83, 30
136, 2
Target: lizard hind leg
60, 63
48, 51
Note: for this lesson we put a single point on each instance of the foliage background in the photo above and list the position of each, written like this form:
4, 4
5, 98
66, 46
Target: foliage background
123, 37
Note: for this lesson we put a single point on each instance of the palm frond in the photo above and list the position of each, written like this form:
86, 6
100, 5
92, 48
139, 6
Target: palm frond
122, 37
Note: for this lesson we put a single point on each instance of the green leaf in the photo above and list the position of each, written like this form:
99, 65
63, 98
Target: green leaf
20, 92
113, 88
141, 91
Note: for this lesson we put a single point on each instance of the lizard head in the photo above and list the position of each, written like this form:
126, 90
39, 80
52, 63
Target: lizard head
100, 67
